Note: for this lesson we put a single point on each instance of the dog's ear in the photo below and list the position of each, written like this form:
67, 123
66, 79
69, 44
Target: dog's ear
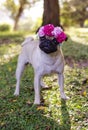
61, 27
66, 39
37, 30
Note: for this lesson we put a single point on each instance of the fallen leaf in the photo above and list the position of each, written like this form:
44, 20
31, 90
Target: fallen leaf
84, 93
41, 108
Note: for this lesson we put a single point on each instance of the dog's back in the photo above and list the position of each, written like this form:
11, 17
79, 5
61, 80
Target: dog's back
29, 47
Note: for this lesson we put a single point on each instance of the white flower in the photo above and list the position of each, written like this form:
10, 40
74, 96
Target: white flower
56, 31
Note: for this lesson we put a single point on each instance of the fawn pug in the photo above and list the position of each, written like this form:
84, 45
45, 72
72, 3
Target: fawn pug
44, 60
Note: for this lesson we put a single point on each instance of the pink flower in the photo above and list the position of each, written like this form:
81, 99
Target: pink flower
41, 32
48, 29
61, 37
56, 31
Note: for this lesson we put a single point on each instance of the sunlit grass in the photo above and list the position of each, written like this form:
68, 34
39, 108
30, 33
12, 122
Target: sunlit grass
7, 52
79, 35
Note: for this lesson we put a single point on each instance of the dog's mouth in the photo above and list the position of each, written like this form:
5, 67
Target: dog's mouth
48, 45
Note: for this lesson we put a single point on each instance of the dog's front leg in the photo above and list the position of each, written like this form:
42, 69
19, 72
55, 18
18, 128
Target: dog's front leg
37, 88
61, 85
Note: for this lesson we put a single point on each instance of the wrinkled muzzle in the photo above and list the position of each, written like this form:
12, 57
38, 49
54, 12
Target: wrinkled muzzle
48, 45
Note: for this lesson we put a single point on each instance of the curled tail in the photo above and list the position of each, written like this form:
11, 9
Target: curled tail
27, 40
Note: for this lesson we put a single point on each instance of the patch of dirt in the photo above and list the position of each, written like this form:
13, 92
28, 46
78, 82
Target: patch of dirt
73, 63
6, 41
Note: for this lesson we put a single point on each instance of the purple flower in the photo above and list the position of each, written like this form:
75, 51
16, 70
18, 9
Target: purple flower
41, 32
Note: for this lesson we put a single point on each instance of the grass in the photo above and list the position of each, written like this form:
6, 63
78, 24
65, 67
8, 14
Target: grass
17, 113
77, 45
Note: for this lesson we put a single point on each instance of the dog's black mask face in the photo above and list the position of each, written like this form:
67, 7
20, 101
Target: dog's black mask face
48, 45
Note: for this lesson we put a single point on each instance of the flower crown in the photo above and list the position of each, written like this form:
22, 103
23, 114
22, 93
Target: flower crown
51, 31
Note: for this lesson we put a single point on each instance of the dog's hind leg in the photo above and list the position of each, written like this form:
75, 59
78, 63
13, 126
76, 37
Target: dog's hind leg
19, 70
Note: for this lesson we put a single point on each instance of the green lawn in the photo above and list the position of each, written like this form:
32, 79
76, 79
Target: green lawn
19, 113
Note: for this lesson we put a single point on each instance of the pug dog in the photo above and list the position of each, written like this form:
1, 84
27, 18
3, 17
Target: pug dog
45, 56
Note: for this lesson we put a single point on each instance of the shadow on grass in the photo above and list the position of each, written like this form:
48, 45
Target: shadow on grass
9, 37
16, 112
66, 123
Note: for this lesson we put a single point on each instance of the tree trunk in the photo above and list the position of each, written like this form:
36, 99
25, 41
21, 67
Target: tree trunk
16, 23
51, 12
20, 11
81, 22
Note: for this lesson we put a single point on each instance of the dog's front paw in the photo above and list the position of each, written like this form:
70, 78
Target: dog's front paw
16, 93
45, 86
65, 97
37, 102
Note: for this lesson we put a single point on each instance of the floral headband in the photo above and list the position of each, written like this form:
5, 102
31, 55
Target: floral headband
51, 31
